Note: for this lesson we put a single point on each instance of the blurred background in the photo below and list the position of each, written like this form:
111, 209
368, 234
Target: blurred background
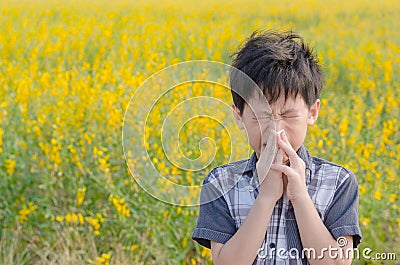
69, 68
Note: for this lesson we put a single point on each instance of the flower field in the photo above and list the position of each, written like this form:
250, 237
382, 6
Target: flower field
68, 71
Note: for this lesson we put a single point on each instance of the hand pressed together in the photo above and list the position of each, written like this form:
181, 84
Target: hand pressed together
296, 185
271, 183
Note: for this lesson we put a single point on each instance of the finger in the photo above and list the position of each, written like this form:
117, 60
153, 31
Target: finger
290, 152
267, 156
269, 149
288, 171
279, 156
266, 137
284, 138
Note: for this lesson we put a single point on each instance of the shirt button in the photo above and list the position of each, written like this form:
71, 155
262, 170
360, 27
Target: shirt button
250, 188
272, 245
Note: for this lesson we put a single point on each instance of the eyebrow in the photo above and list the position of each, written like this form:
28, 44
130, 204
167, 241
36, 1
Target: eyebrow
266, 112
289, 110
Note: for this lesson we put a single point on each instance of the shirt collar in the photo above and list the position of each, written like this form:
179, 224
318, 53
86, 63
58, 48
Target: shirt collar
251, 163
305, 155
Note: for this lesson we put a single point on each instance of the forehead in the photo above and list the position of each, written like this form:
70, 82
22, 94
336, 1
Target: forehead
260, 104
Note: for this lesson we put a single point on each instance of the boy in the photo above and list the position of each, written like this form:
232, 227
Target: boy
303, 210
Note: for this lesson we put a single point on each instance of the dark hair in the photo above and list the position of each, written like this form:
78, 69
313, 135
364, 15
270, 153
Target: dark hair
278, 62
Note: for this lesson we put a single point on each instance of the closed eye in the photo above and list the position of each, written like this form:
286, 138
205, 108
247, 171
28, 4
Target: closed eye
289, 116
263, 117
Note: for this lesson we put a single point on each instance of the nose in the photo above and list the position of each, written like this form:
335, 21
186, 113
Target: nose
278, 124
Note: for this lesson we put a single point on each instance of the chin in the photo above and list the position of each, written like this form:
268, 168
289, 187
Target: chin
296, 148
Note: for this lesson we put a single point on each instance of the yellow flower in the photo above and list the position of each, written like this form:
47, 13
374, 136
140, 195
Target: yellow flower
378, 195
362, 189
365, 221
10, 166
80, 195
392, 197
81, 220
25, 211
120, 205
68, 218
104, 259
344, 127
100, 217
205, 252
1, 140
95, 223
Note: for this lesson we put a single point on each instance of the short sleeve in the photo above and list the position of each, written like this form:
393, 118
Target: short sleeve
341, 217
214, 221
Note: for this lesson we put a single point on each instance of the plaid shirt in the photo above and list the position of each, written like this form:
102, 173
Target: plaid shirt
229, 191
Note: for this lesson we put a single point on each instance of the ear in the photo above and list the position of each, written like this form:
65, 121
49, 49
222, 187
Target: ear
313, 113
238, 118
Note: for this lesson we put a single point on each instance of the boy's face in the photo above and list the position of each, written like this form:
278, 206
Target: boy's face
293, 116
